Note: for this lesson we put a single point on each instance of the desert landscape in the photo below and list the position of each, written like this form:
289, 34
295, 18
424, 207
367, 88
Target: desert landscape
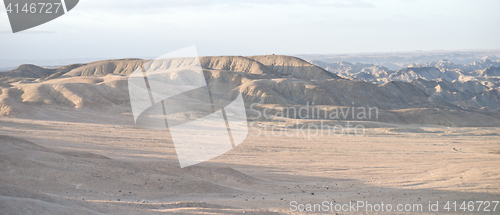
69, 143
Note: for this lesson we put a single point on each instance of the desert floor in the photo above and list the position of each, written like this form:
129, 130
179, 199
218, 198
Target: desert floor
78, 167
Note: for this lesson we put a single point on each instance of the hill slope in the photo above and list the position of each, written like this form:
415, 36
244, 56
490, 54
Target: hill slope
276, 81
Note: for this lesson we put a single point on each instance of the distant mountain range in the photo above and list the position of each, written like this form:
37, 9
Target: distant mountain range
473, 85
399, 60
439, 93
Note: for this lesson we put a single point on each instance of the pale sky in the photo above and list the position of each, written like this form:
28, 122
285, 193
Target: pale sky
150, 28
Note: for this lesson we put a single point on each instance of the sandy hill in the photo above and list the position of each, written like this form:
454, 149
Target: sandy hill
29, 72
103, 68
281, 81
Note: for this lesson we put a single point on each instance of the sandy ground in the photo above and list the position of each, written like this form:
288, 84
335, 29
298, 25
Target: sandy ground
61, 167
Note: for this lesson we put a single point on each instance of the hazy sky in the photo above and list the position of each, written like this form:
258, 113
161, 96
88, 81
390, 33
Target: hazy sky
149, 28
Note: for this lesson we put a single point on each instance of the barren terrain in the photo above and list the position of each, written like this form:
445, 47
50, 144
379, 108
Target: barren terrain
60, 167
69, 145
